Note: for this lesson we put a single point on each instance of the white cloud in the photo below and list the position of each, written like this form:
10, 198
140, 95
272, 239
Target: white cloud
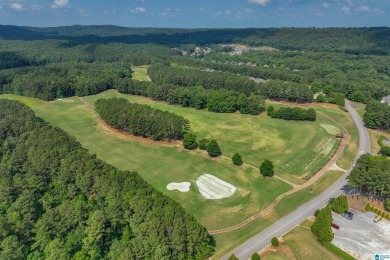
259, 2
326, 5
60, 4
377, 11
345, 10
139, 10
248, 11
16, 6
363, 9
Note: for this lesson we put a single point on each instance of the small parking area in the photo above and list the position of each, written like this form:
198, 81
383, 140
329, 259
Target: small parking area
361, 237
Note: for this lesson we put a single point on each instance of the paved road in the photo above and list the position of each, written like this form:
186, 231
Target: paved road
282, 226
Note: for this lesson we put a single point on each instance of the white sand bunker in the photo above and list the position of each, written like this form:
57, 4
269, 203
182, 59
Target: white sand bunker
181, 186
214, 188
330, 129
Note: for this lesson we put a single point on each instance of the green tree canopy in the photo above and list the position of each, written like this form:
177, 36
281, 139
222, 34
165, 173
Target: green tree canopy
275, 242
340, 204
203, 143
237, 159
213, 149
189, 141
267, 168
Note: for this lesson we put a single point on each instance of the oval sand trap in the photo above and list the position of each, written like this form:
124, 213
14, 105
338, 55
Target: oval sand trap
330, 129
181, 186
214, 188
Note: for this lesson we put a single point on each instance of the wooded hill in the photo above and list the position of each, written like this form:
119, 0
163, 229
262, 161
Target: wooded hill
374, 41
57, 201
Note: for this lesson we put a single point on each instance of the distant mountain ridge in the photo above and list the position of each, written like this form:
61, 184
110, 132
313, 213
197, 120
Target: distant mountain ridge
374, 40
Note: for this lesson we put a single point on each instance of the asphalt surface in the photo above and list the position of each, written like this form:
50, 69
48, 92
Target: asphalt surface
285, 224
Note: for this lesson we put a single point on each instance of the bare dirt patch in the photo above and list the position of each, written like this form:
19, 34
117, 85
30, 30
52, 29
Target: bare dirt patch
358, 202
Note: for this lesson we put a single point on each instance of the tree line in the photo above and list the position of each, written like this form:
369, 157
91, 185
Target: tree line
141, 119
372, 175
292, 113
62, 80
278, 90
377, 116
219, 101
57, 201
360, 78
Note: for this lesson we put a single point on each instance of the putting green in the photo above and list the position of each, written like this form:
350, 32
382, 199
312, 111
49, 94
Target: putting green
330, 129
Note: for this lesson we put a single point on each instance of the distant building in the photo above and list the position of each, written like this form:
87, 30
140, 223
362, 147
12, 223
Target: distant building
386, 100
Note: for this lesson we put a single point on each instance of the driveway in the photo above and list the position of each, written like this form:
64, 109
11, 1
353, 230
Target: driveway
361, 237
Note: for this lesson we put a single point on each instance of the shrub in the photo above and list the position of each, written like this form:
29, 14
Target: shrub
388, 204
237, 159
189, 141
387, 216
213, 149
233, 257
270, 109
203, 143
267, 168
385, 150
368, 207
340, 204
255, 256
275, 242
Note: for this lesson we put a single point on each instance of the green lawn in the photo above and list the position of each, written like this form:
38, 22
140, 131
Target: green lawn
297, 148
305, 245
301, 243
140, 72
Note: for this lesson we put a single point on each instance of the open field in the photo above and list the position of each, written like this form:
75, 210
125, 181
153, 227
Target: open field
140, 72
255, 137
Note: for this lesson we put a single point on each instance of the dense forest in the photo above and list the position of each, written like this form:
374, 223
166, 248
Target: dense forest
142, 119
57, 201
373, 41
372, 175
377, 116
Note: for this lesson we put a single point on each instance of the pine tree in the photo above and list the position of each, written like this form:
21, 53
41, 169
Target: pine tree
237, 159
213, 149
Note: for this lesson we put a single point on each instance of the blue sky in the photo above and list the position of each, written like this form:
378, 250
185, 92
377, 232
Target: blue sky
197, 14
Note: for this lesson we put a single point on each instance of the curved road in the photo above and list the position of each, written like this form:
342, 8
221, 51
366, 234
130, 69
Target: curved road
285, 224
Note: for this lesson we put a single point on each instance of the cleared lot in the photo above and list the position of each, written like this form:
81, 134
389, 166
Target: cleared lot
361, 237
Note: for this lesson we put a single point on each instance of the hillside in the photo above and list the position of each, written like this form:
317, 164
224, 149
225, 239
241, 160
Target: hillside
349, 40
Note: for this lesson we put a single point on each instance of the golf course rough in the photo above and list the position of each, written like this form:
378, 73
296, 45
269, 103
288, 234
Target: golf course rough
214, 188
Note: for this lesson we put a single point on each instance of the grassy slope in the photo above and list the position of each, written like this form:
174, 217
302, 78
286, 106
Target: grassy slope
304, 245
255, 137
140, 72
